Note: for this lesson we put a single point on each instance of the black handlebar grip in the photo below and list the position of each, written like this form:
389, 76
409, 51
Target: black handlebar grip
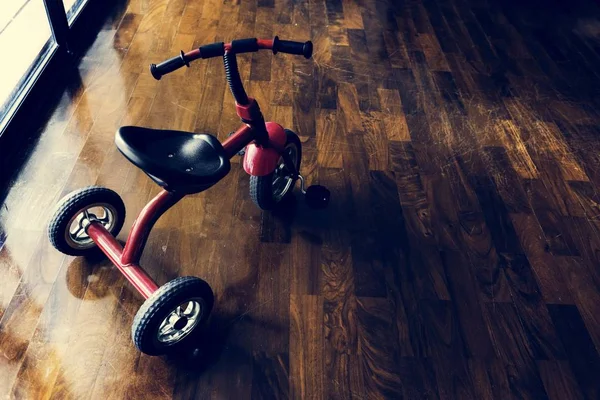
168, 66
290, 47
212, 50
244, 45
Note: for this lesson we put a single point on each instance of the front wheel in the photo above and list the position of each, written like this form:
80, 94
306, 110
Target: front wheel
269, 190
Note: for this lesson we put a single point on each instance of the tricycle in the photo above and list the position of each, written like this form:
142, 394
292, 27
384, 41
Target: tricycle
184, 163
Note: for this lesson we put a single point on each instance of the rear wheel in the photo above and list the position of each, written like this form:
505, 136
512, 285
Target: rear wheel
67, 227
269, 190
170, 317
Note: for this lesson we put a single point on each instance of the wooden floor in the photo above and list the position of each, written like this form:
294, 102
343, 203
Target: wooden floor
459, 259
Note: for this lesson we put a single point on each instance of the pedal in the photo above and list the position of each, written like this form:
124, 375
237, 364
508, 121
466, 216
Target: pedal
317, 196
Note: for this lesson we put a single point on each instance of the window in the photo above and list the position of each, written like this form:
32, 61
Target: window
37, 37
25, 40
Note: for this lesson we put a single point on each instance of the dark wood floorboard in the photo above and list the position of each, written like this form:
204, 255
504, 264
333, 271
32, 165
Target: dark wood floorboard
459, 258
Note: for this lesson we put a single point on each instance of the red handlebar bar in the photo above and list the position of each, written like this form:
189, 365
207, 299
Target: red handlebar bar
235, 47
213, 50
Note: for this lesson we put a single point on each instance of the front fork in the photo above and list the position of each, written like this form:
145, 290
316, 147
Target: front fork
266, 135
289, 164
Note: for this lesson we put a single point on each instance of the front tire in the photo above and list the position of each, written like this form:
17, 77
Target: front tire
66, 229
171, 316
269, 190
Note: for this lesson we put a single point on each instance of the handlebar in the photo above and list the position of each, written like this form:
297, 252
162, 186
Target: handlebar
235, 47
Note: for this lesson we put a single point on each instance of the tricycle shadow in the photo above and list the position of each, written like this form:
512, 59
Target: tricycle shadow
94, 277
300, 218
90, 278
223, 343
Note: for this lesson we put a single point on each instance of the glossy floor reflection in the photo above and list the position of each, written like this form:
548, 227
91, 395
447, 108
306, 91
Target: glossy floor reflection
459, 256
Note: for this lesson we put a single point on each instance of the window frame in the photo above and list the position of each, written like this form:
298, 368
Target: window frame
58, 51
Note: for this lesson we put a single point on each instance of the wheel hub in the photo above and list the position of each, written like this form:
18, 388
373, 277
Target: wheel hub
180, 322
76, 232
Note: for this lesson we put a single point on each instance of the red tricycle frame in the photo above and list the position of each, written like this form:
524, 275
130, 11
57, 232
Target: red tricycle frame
127, 259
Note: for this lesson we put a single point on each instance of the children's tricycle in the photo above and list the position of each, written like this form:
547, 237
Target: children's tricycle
183, 163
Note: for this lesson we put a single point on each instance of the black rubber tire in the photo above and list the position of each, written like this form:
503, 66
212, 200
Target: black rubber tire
261, 187
71, 205
156, 308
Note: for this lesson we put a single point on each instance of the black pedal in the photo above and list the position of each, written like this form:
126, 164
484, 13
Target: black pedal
317, 196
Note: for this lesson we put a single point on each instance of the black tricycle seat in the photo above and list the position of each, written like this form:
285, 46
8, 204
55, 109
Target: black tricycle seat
176, 160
